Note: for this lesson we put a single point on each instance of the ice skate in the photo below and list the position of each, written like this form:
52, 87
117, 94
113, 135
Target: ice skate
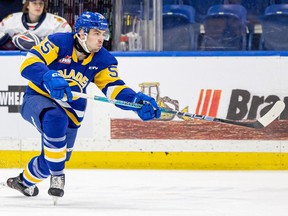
56, 189
17, 184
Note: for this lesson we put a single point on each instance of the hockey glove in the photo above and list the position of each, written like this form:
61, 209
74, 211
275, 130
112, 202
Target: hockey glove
150, 108
56, 85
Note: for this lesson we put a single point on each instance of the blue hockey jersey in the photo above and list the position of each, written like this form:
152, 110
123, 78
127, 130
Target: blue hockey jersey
57, 52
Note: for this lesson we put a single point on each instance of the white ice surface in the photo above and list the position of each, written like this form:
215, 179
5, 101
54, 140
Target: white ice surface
155, 193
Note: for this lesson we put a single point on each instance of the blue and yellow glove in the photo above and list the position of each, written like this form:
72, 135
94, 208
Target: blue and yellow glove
149, 110
56, 85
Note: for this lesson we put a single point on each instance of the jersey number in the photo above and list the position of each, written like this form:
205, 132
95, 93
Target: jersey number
45, 48
113, 71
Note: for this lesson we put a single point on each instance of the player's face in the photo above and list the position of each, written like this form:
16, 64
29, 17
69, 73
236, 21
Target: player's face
36, 8
95, 39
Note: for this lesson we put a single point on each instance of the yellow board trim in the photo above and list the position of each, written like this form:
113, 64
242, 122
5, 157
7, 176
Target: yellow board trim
159, 160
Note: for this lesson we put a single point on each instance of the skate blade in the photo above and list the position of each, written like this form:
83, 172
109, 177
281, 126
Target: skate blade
55, 200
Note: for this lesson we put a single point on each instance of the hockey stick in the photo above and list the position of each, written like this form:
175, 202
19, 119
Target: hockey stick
262, 122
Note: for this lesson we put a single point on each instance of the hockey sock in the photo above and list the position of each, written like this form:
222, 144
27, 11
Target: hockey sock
54, 126
35, 172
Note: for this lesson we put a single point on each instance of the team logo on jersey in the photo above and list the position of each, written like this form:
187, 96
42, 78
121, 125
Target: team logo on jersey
66, 60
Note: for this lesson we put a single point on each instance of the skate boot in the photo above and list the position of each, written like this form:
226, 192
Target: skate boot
17, 184
57, 184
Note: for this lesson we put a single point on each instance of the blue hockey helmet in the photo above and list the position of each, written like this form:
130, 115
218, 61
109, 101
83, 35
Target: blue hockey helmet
92, 20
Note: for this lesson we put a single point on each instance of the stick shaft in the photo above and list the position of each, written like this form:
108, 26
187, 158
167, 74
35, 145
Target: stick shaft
260, 123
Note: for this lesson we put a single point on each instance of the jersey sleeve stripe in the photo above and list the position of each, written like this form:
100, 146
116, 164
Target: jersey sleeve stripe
37, 89
29, 61
113, 91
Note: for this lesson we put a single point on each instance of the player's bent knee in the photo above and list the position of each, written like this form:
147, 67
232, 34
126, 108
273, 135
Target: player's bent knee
55, 120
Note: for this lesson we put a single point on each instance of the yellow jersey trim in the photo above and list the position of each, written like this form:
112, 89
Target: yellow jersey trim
70, 115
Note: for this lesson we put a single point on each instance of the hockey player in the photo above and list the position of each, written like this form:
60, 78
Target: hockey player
33, 20
61, 63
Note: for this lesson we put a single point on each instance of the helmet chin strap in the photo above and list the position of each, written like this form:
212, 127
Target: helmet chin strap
83, 49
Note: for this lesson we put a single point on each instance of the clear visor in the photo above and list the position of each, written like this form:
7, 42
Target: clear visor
106, 33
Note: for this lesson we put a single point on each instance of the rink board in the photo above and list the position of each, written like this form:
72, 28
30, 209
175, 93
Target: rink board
159, 160
238, 87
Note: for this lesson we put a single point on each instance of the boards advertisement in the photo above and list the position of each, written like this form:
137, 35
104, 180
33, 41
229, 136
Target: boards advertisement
240, 88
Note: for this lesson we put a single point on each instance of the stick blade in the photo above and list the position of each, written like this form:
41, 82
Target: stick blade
271, 115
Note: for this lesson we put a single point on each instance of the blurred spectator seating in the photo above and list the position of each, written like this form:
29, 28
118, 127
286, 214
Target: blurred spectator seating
180, 31
255, 10
281, 1
275, 28
201, 7
9, 6
167, 2
225, 28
